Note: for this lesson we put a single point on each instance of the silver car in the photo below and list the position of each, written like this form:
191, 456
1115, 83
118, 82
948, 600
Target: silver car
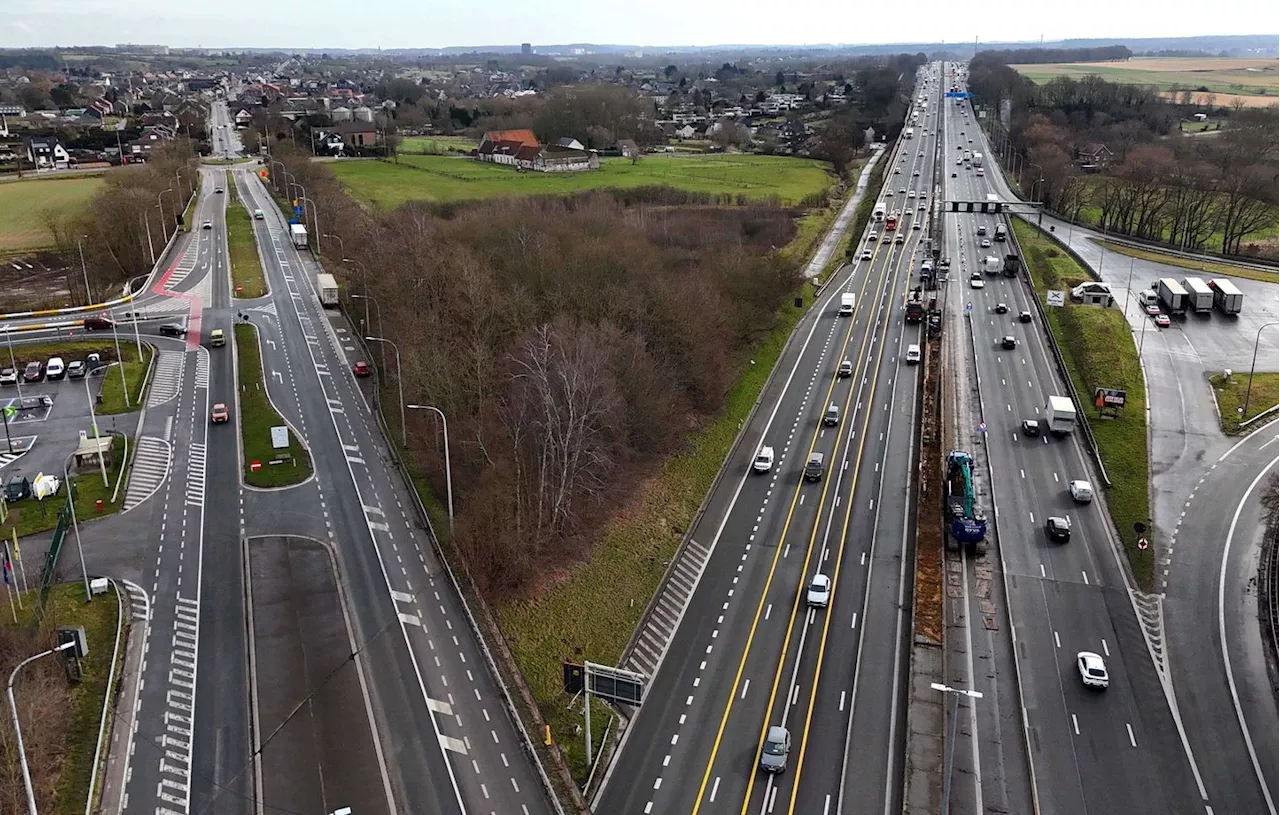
777, 744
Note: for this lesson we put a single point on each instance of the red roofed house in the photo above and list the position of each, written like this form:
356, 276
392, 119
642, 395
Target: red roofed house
520, 149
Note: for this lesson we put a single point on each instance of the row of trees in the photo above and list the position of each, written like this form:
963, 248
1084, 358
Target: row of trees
1042, 56
572, 342
1203, 193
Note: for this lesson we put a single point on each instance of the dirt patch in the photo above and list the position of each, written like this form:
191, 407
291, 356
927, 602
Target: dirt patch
928, 600
37, 281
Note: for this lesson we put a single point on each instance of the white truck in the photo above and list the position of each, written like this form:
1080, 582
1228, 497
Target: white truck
977, 159
764, 460
328, 288
992, 264
846, 304
1171, 294
911, 132
1062, 415
298, 234
1226, 297
1199, 295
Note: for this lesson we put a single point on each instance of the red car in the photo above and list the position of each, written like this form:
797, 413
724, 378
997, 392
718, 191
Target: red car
97, 323
1162, 320
361, 368
219, 414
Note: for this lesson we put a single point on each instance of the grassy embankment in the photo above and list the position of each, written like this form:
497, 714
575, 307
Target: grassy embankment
30, 516
441, 178
256, 418
1263, 396
247, 278
190, 211
135, 368
23, 205
76, 733
1099, 352
1223, 268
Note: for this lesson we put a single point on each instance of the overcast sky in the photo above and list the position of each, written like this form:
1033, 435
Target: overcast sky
440, 23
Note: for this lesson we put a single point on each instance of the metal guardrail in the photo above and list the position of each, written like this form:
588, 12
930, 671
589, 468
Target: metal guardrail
1058, 359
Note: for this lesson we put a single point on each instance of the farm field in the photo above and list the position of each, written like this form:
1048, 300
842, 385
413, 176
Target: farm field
23, 203
441, 178
1256, 81
437, 145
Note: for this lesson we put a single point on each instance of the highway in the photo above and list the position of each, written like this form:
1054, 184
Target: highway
1091, 752
448, 742
752, 653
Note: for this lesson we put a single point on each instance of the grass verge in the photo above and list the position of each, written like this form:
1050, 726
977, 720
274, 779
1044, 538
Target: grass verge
135, 373
190, 211
1098, 348
77, 734
1263, 396
247, 278
593, 611
280, 468
30, 516
1191, 264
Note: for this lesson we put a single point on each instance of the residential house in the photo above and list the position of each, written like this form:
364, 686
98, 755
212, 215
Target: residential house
47, 153
357, 135
628, 148
570, 143
686, 132
556, 159
243, 118
520, 149
1094, 154
17, 111
504, 146
328, 143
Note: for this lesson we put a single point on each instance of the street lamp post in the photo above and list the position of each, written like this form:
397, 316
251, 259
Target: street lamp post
17, 726
160, 203
404, 427
956, 693
1244, 411
75, 522
315, 216
376, 308
341, 245
84, 269
448, 467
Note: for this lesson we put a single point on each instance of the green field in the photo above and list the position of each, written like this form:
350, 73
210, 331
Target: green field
439, 178
1263, 395
1097, 345
1253, 80
23, 204
437, 145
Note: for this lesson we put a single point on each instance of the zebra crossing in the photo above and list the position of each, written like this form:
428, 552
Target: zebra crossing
185, 266
150, 466
139, 601
649, 645
202, 371
167, 380
179, 714
8, 458
195, 474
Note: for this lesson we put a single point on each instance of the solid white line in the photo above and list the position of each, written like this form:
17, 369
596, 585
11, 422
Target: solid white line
1222, 635
714, 789
1132, 741
1075, 723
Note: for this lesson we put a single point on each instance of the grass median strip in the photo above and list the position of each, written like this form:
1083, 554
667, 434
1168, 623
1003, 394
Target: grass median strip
247, 278
1263, 395
1209, 267
1098, 348
190, 211
278, 467
30, 516
135, 373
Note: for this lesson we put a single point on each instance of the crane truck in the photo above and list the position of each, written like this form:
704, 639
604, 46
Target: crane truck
968, 524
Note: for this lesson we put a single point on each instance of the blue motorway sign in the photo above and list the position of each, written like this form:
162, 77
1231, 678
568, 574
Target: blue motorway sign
958, 94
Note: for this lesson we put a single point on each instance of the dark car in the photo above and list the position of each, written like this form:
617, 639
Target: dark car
1001, 308
16, 488
34, 371
97, 323
1058, 529
1024, 316
1009, 343
814, 466
173, 330
1030, 427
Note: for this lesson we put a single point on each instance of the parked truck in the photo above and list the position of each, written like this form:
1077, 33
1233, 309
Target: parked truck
915, 305
298, 234
846, 304
992, 264
1012, 264
1062, 415
328, 288
1171, 294
1226, 297
1199, 295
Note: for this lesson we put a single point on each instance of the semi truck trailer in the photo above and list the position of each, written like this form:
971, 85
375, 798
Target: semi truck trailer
1171, 294
1226, 297
1199, 295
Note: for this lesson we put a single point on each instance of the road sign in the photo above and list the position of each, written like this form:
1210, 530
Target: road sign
957, 94
280, 437
968, 306
982, 427
1143, 543
1056, 298
615, 684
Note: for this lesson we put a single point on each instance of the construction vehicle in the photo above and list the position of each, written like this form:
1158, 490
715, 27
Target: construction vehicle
968, 525
915, 305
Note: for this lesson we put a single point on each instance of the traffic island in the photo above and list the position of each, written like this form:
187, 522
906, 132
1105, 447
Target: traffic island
247, 278
60, 720
1235, 414
265, 463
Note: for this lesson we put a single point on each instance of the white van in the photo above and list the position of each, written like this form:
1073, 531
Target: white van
55, 369
913, 354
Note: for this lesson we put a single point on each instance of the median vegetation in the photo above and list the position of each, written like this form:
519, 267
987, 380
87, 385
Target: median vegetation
1263, 396
60, 720
276, 467
1097, 346
247, 278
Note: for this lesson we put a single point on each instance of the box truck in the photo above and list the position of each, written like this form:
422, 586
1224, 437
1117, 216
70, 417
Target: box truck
1199, 295
328, 288
846, 304
1226, 297
298, 234
992, 264
1062, 415
1171, 294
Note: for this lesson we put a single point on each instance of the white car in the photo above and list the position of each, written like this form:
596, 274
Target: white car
764, 460
819, 593
1093, 671
976, 281
1081, 491
911, 193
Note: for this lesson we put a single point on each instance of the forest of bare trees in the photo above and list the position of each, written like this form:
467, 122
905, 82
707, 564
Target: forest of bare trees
573, 343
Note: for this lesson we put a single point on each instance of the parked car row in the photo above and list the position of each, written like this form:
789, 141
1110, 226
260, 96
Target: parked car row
51, 370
